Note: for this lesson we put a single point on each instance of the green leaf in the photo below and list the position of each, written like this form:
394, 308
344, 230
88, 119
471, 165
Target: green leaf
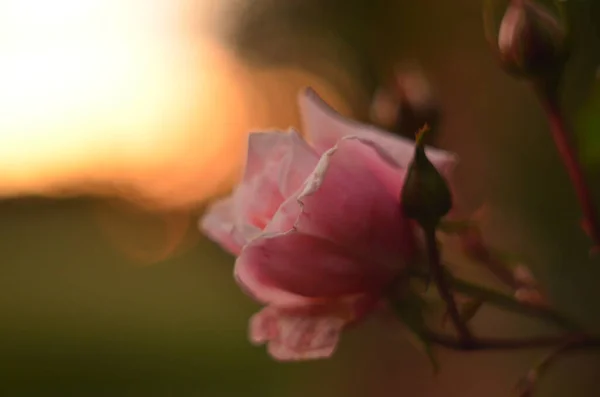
410, 310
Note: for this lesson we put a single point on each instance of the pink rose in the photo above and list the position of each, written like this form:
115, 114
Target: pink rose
317, 228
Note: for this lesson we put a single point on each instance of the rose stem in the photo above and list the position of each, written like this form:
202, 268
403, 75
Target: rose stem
505, 302
511, 304
439, 277
562, 136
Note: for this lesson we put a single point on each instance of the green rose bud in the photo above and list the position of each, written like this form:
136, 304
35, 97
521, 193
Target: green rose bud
426, 197
532, 42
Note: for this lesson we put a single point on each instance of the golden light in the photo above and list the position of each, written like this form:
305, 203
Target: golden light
132, 98
99, 90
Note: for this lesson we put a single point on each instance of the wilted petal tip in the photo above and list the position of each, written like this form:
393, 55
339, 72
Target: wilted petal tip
315, 180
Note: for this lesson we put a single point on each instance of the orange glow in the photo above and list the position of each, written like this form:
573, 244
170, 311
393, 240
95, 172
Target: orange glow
96, 89
130, 98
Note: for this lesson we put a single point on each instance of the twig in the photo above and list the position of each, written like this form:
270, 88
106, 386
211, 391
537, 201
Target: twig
562, 137
439, 277
505, 302
511, 304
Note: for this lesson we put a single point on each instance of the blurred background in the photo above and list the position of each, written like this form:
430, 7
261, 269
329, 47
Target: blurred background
121, 119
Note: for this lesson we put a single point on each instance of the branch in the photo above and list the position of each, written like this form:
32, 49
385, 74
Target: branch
505, 302
562, 137
439, 277
511, 304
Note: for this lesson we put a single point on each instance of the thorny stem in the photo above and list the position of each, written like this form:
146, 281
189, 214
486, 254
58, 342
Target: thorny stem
573, 339
511, 304
439, 277
562, 137
506, 302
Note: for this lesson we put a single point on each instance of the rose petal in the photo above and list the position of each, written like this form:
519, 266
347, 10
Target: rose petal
325, 127
281, 352
264, 148
263, 326
301, 265
298, 334
353, 199
297, 164
255, 283
277, 165
360, 240
286, 149
286, 216
218, 225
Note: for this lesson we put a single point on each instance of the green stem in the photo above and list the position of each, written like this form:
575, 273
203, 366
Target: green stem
507, 303
442, 281
562, 140
510, 304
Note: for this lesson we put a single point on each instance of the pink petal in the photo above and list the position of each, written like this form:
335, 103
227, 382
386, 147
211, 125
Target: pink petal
284, 155
218, 224
343, 234
286, 216
282, 268
253, 282
264, 148
264, 326
277, 165
298, 334
282, 352
353, 199
325, 127
298, 163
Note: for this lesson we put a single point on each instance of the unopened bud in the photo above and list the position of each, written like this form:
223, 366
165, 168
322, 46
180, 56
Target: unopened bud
532, 42
426, 197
